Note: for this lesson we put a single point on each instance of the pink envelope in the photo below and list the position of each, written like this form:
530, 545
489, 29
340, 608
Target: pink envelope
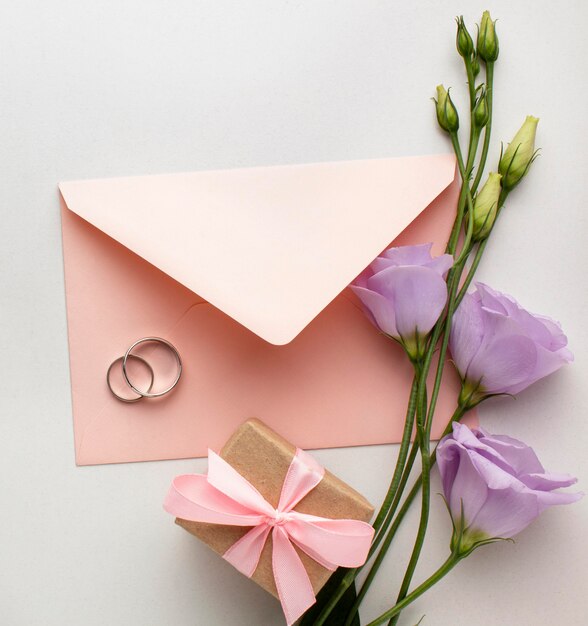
245, 272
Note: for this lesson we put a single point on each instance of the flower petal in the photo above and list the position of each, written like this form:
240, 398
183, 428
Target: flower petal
361, 280
518, 455
476, 441
381, 263
380, 310
553, 498
490, 299
467, 331
463, 485
547, 481
506, 512
547, 363
558, 338
440, 264
447, 462
506, 362
419, 295
409, 255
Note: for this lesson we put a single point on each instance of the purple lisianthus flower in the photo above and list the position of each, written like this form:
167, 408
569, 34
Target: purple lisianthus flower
500, 348
495, 484
404, 292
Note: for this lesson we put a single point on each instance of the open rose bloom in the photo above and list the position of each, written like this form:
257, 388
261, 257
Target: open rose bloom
497, 482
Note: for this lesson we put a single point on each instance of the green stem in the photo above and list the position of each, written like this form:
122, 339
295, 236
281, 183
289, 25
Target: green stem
390, 501
425, 481
479, 253
464, 172
449, 564
426, 477
454, 237
488, 128
402, 454
471, 272
471, 86
337, 595
451, 307
456, 417
472, 149
401, 486
400, 479
453, 281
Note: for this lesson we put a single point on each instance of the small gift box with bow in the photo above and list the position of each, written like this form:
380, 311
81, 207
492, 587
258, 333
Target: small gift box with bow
275, 514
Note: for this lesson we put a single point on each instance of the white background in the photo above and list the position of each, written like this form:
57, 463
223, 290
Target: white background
95, 89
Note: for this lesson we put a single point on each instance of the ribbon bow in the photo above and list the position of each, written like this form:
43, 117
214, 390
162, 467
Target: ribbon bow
226, 497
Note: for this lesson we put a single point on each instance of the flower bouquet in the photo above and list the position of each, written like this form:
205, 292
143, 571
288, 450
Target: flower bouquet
493, 485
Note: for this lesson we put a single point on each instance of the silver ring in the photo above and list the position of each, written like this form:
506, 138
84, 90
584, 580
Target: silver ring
147, 394
113, 392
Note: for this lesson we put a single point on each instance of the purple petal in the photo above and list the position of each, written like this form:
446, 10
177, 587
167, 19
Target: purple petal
380, 310
447, 462
545, 481
477, 441
529, 324
506, 362
558, 338
518, 455
543, 330
406, 256
440, 264
547, 363
496, 476
409, 255
419, 295
381, 263
468, 488
546, 499
467, 330
490, 299
361, 280
468, 492
505, 512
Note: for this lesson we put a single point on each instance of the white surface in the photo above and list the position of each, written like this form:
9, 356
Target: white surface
92, 89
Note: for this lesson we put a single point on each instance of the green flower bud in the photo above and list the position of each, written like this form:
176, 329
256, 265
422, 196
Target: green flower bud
446, 112
486, 206
475, 65
487, 39
463, 40
519, 155
481, 114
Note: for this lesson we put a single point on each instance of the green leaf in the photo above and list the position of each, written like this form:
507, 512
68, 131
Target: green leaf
339, 613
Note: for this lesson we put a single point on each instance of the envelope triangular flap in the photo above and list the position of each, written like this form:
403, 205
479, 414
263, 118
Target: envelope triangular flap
269, 246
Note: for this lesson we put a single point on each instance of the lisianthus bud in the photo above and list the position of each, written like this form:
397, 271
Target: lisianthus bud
446, 112
487, 39
486, 206
519, 155
481, 113
463, 40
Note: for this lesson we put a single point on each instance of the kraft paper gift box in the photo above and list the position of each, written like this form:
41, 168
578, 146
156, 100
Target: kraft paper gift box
262, 457
245, 272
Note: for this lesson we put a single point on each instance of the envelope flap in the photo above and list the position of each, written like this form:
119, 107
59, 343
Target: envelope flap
269, 246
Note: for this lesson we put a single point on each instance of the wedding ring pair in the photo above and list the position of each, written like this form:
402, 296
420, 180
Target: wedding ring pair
129, 356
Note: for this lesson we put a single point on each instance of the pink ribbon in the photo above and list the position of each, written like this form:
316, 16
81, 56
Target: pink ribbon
225, 497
